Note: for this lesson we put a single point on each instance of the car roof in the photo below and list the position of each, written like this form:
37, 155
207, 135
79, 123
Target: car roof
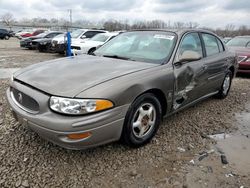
176, 31
109, 34
243, 36
54, 32
92, 30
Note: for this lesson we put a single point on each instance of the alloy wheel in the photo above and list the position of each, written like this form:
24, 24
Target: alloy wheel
144, 120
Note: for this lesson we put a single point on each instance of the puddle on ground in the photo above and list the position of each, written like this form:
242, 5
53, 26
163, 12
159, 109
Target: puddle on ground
236, 146
221, 136
7, 72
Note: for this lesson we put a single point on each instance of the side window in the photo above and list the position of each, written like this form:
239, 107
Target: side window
221, 47
90, 34
51, 35
191, 42
211, 44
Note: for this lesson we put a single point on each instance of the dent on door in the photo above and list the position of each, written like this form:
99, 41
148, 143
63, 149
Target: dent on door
188, 79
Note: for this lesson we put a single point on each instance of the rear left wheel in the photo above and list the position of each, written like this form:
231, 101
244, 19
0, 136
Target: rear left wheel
142, 121
226, 85
6, 37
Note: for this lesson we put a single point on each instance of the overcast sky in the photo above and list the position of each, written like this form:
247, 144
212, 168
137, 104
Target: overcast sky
211, 13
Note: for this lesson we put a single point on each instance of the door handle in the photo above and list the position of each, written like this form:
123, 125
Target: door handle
204, 67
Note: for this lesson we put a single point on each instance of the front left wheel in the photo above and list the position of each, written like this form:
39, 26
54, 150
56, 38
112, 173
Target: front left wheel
142, 120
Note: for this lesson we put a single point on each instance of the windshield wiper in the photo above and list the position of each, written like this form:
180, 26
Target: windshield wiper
118, 57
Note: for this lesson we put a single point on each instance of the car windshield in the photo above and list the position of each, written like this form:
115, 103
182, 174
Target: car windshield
76, 33
145, 46
42, 34
100, 38
239, 41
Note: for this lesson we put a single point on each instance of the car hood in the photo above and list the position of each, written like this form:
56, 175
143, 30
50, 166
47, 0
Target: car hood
43, 40
70, 76
88, 43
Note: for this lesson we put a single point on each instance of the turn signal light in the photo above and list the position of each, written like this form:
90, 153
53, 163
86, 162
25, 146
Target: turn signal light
79, 136
103, 104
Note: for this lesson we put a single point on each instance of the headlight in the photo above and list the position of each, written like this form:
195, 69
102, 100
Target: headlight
61, 42
43, 43
78, 106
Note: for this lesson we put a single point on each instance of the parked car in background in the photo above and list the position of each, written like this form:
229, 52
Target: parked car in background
5, 34
35, 33
44, 44
241, 45
21, 32
226, 39
31, 42
89, 46
12, 33
59, 43
124, 89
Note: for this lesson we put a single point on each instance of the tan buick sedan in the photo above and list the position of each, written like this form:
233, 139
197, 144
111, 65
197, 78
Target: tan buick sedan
124, 89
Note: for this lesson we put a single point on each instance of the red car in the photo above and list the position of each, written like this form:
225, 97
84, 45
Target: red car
241, 45
37, 32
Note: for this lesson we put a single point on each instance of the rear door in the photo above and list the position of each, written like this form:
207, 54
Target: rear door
190, 78
215, 61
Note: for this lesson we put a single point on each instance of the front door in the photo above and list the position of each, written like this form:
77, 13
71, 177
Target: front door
190, 77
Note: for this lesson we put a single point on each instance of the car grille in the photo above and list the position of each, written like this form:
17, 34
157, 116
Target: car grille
241, 58
24, 101
76, 47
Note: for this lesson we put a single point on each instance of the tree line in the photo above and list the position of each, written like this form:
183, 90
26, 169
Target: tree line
229, 30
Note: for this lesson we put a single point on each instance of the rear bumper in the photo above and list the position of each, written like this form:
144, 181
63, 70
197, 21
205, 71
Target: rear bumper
104, 126
244, 67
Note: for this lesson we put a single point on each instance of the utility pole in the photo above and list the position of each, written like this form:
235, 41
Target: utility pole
70, 17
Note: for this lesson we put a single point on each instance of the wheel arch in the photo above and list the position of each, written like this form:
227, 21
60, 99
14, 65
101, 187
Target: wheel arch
232, 69
91, 49
159, 94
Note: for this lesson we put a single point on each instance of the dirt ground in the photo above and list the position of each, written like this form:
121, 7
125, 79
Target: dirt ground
186, 151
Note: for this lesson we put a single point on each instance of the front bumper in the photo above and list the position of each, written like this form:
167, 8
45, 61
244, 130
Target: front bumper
59, 48
104, 126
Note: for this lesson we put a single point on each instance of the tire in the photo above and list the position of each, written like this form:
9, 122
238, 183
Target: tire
40, 48
226, 85
91, 51
140, 125
6, 37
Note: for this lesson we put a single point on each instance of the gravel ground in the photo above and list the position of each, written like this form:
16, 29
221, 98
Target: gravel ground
12, 56
26, 160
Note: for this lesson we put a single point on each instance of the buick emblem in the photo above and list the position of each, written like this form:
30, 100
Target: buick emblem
20, 97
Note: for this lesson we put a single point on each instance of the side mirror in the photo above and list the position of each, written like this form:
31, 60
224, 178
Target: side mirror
188, 56
83, 37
